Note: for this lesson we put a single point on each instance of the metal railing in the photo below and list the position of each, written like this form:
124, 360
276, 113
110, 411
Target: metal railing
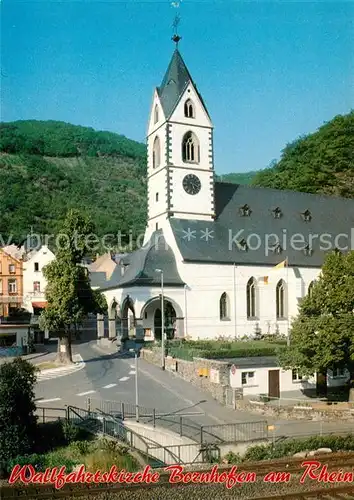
47, 414
99, 422
183, 425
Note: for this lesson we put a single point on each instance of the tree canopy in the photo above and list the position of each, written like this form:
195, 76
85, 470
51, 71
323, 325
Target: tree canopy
322, 336
68, 293
321, 162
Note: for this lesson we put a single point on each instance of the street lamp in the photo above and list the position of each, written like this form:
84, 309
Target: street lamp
162, 322
136, 384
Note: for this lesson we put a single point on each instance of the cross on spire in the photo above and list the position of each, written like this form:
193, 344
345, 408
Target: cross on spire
176, 38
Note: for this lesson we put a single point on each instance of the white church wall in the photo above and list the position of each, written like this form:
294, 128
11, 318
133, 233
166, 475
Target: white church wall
177, 133
207, 282
33, 272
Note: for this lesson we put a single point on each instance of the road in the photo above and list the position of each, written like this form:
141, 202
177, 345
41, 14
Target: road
112, 378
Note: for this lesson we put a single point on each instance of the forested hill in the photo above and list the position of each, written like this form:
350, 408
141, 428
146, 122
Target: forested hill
322, 162
47, 167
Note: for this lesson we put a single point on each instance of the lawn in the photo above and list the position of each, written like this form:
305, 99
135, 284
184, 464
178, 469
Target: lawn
48, 365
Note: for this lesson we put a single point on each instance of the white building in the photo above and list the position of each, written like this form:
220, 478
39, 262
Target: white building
214, 245
34, 282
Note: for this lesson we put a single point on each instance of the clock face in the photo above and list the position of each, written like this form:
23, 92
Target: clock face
191, 184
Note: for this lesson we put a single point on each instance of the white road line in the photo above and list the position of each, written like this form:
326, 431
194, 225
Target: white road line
132, 373
85, 393
109, 386
123, 379
48, 400
132, 366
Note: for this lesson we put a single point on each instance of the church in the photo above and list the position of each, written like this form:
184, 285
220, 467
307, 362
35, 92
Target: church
222, 260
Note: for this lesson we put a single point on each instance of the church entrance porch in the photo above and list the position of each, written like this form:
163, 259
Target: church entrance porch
152, 319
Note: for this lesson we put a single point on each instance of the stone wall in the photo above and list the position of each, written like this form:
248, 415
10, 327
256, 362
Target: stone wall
295, 412
199, 372
196, 372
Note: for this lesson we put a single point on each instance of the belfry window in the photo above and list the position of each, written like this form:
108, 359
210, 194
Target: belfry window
156, 114
156, 153
190, 148
189, 109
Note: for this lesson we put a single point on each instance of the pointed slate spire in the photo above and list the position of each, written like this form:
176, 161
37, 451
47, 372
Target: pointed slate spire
174, 83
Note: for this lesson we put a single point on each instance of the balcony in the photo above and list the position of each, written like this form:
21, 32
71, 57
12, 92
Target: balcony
11, 299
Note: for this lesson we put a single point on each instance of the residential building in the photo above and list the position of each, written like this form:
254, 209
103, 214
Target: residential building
11, 284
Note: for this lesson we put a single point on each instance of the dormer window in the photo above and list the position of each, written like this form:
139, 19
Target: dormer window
189, 109
242, 245
245, 211
156, 114
276, 248
306, 216
308, 250
277, 213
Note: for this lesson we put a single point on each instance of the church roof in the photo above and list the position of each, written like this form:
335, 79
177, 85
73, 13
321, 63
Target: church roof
174, 83
141, 266
298, 214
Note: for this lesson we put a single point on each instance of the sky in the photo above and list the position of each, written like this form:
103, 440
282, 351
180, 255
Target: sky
269, 71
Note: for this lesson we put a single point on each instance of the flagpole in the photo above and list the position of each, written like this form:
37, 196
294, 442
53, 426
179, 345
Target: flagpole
288, 301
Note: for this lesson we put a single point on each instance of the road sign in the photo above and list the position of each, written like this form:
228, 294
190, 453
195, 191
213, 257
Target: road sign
271, 427
233, 369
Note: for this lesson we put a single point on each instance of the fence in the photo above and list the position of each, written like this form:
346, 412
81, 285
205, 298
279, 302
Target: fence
46, 414
99, 422
184, 426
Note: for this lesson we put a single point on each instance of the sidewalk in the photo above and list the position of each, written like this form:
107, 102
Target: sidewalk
42, 355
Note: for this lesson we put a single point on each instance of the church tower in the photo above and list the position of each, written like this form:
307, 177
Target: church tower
180, 150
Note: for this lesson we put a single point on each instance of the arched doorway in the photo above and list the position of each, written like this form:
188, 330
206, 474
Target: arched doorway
128, 318
170, 321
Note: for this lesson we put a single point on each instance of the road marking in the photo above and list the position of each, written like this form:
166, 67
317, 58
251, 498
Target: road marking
109, 386
85, 393
48, 400
132, 366
123, 379
132, 373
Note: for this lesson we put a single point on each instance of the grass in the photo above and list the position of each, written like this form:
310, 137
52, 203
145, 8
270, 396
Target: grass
47, 365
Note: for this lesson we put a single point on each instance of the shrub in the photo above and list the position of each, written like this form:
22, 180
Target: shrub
81, 447
37, 461
70, 432
58, 459
232, 458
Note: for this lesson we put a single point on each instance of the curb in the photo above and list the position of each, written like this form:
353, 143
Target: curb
52, 373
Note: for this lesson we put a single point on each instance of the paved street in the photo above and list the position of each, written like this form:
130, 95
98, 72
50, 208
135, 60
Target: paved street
112, 378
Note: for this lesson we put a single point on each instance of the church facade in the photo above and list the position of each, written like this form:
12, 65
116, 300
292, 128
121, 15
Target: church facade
227, 260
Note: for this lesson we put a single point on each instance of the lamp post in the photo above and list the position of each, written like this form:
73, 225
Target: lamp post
162, 321
136, 384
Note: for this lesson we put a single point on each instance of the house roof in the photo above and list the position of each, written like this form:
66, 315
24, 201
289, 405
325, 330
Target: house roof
174, 83
329, 217
141, 265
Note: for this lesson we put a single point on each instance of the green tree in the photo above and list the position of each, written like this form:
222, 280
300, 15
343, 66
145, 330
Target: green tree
68, 293
322, 335
18, 423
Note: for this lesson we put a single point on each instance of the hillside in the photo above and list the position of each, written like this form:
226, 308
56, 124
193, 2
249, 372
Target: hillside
322, 162
237, 178
48, 167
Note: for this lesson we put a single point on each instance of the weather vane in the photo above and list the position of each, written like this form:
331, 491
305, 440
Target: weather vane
176, 38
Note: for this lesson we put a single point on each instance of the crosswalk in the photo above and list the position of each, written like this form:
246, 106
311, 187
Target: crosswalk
88, 392
54, 373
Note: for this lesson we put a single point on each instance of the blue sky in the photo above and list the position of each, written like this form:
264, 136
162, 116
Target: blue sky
268, 71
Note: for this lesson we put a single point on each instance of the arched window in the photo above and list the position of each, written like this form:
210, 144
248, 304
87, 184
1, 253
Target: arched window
224, 307
189, 109
156, 153
190, 148
310, 289
156, 114
251, 299
281, 300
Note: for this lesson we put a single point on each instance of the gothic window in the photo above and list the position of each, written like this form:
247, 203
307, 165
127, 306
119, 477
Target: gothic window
277, 213
224, 307
156, 153
189, 109
251, 299
280, 300
306, 216
156, 114
245, 210
190, 148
